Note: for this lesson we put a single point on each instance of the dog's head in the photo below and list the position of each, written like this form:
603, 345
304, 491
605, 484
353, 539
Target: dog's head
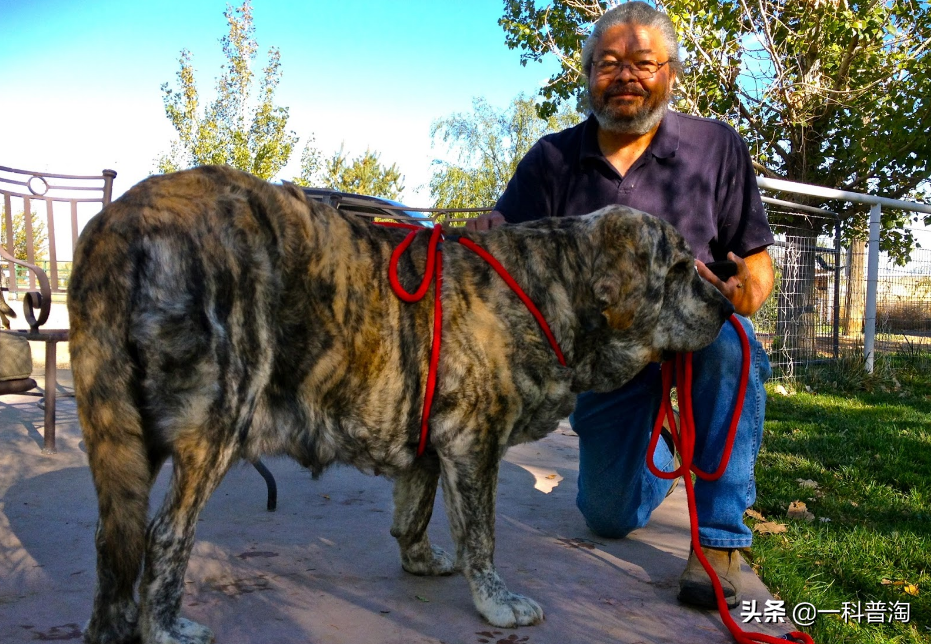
646, 299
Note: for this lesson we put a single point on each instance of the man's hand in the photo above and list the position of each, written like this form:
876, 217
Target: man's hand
485, 221
749, 288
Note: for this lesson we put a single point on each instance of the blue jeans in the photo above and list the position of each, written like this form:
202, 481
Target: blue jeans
617, 492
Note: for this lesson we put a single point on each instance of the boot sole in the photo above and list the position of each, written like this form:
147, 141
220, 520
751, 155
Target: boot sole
703, 597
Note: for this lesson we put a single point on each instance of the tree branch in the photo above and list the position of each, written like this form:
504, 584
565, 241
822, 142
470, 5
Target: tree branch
860, 178
764, 170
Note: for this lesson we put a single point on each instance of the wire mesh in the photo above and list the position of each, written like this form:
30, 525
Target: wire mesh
817, 309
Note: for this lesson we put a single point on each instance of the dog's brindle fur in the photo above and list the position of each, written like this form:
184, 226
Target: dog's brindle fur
216, 317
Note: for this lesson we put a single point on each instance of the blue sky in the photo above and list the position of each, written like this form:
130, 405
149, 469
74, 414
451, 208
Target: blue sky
81, 80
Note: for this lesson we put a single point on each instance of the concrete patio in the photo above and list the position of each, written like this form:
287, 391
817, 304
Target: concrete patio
323, 568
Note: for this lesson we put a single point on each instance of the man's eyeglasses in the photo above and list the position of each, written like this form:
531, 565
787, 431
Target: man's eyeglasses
641, 69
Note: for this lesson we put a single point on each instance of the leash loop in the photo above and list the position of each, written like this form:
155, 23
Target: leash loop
429, 271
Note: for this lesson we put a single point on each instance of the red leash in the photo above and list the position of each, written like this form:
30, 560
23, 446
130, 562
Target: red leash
684, 439
433, 272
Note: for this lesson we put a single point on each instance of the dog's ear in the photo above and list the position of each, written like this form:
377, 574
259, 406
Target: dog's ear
621, 276
617, 293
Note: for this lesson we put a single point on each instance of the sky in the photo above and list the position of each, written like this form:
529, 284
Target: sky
80, 82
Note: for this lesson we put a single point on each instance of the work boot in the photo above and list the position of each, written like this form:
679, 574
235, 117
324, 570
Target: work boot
695, 586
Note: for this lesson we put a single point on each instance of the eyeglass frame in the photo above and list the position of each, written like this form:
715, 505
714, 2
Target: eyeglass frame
619, 66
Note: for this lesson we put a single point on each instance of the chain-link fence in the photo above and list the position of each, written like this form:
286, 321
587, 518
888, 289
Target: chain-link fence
817, 309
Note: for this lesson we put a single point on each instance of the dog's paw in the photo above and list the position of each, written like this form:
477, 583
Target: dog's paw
117, 623
431, 561
508, 610
91, 635
184, 631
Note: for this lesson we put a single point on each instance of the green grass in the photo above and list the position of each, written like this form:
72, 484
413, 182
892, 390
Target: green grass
866, 442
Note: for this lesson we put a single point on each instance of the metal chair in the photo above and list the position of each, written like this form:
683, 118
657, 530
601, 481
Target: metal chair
77, 198
66, 199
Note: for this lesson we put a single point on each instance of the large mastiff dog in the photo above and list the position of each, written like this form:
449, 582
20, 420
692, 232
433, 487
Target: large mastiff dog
216, 317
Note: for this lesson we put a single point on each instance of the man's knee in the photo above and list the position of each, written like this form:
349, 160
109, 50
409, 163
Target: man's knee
610, 525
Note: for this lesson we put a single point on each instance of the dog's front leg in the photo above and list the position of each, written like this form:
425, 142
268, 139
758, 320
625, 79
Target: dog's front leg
414, 493
469, 489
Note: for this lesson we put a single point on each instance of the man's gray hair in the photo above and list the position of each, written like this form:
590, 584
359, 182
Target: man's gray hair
635, 13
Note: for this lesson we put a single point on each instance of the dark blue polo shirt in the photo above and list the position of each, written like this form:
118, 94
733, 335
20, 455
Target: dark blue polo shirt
696, 174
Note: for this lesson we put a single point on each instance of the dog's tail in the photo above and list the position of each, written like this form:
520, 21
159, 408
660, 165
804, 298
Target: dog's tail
106, 388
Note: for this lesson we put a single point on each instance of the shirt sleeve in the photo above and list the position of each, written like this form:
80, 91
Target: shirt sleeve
743, 226
526, 197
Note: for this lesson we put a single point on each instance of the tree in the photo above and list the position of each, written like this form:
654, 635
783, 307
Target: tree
21, 240
488, 144
232, 129
364, 174
827, 92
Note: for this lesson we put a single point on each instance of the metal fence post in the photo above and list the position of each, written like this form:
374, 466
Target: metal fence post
872, 283
835, 320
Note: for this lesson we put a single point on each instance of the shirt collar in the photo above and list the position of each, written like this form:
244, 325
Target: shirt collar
663, 146
666, 141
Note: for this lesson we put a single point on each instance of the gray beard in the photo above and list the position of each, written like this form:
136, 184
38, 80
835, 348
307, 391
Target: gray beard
638, 124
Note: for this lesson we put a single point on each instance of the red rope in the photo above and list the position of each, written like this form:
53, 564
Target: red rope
684, 440
433, 273
495, 264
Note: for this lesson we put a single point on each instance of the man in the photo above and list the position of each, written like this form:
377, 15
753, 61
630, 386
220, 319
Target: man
695, 173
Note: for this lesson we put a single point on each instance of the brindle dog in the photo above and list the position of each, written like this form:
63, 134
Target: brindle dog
216, 317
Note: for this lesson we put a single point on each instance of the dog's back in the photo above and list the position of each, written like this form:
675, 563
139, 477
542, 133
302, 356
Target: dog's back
165, 300
228, 294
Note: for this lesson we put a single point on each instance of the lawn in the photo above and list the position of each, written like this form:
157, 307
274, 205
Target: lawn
857, 452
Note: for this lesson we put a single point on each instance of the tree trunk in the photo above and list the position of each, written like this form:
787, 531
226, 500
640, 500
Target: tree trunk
855, 300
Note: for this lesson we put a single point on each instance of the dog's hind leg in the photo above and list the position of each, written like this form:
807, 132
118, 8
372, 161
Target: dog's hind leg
469, 489
123, 466
123, 475
414, 493
200, 461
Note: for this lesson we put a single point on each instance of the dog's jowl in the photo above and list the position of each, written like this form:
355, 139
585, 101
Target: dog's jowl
217, 317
